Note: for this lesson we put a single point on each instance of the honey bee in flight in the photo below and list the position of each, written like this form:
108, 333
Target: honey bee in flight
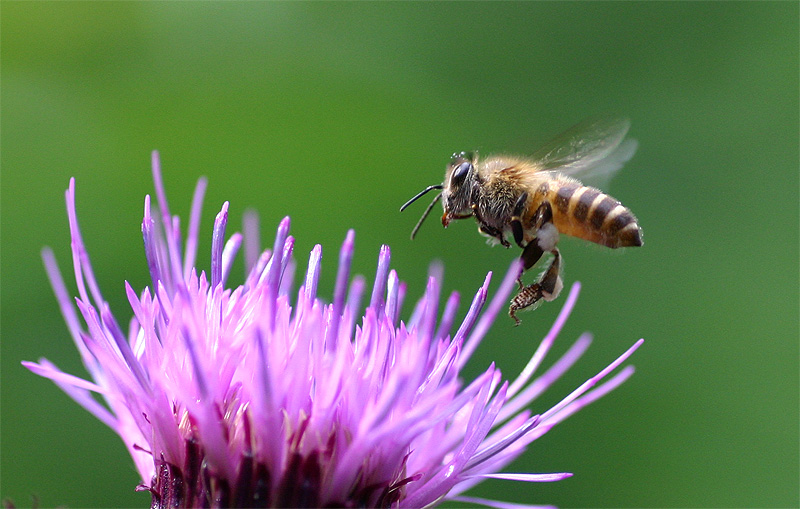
532, 200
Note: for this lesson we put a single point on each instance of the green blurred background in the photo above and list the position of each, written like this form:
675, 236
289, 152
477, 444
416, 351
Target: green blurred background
337, 113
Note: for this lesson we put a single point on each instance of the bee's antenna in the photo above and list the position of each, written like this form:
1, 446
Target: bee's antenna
427, 211
420, 195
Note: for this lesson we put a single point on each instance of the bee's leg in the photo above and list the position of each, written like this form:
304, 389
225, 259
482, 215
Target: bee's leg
549, 285
493, 232
548, 288
542, 221
489, 230
516, 220
530, 255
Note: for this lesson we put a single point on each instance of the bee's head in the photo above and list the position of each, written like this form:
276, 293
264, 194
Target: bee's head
459, 185
458, 189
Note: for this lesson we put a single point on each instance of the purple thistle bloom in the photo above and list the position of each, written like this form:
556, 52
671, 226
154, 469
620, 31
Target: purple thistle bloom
241, 397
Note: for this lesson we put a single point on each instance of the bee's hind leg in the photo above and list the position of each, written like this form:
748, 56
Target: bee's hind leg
530, 256
548, 287
546, 234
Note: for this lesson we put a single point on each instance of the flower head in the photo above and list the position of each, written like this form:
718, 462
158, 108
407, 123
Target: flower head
260, 395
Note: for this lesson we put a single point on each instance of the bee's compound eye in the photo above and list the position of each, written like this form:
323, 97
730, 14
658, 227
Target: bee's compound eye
460, 173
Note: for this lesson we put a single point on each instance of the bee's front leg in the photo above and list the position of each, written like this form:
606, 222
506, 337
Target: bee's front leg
488, 229
495, 233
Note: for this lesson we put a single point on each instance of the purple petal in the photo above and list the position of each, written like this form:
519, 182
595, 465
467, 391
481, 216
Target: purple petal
194, 226
217, 243
500, 298
238, 392
547, 342
529, 477
312, 275
498, 504
381, 275
229, 253
535, 389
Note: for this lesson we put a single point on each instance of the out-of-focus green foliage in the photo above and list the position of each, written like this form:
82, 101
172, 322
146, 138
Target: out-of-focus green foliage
337, 113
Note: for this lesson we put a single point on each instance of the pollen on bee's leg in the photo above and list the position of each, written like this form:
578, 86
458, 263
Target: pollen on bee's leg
554, 293
547, 236
551, 281
527, 297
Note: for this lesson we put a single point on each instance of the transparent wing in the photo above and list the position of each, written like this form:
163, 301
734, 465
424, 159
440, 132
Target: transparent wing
592, 150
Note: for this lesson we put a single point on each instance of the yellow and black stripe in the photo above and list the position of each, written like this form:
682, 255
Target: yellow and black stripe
590, 214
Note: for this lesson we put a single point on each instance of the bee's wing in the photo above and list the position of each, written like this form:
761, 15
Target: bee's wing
592, 150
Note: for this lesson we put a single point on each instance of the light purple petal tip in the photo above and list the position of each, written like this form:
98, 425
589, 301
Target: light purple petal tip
584, 387
194, 226
275, 267
80, 257
158, 181
171, 247
148, 235
340, 290
474, 309
449, 315
529, 477
343, 274
65, 303
592, 396
286, 257
217, 244
229, 253
312, 274
393, 297
499, 300
381, 275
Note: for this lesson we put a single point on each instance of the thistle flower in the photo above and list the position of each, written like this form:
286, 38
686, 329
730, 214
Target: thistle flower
245, 397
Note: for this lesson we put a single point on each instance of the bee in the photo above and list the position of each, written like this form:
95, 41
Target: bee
531, 200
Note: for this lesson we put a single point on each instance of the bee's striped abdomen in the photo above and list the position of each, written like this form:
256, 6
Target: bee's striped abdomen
587, 213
